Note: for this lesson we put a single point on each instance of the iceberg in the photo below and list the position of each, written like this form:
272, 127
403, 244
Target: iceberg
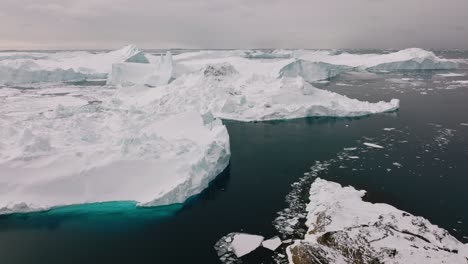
313, 71
252, 90
345, 229
407, 59
20, 68
141, 71
63, 150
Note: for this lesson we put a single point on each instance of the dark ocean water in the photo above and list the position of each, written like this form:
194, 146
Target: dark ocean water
423, 169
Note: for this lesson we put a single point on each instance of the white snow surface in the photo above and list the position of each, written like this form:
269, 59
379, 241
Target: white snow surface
375, 230
243, 244
59, 150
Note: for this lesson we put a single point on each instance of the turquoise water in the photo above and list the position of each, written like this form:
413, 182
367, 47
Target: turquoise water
266, 158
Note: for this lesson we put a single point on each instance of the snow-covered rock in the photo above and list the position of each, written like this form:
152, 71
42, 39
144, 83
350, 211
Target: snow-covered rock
72, 149
345, 229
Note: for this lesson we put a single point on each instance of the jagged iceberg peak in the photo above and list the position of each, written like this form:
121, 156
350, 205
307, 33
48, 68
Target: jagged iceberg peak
345, 229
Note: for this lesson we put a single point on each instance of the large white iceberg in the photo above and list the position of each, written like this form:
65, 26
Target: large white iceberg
64, 150
22, 67
345, 229
248, 90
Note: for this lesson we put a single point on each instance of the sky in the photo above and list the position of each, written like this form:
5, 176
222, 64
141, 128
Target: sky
107, 24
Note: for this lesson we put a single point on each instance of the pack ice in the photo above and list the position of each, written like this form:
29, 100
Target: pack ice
345, 229
65, 150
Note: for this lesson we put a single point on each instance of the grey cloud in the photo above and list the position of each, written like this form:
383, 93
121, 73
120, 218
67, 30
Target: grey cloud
234, 23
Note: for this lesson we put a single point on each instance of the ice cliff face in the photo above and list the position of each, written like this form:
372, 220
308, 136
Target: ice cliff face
64, 150
345, 229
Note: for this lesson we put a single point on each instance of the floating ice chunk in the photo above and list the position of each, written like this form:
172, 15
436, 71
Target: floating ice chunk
396, 164
272, 243
350, 149
451, 74
353, 157
389, 129
340, 222
372, 145
462, 82
243, 244
463, 124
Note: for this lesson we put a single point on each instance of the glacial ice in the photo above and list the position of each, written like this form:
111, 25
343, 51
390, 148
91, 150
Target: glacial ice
137, 71
22, 67
63, 150
407, 59
340, 222
249, 90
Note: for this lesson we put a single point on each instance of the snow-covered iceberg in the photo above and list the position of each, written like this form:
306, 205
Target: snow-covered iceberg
65, 150
139, 70
253, 90
345, 229
19, 68
407, 59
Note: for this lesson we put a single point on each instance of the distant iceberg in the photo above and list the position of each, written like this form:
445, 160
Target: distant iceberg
21, 67
407, 59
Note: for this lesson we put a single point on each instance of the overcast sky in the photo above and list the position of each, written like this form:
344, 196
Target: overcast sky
65, 24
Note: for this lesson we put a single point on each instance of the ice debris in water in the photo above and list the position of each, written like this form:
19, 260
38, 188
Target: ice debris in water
372, 145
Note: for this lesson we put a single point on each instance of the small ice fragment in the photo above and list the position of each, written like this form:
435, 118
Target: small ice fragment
349, 149
372, 145
353, 157
463, 124
389, 129
272, 244
451, 74
397, 164
287, 241
243, 244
